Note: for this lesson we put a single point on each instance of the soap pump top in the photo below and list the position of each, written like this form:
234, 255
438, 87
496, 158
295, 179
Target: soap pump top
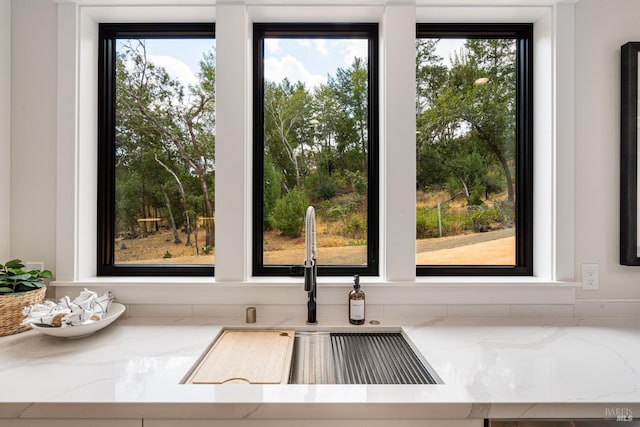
356, 282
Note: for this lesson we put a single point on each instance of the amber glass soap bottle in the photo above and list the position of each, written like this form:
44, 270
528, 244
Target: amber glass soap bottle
356, 303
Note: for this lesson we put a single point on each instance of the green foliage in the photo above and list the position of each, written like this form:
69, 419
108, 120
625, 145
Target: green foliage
427, 223
358, 181
477, 192
165, 140
167, 255
466, 117
13, 277
471, 219
317, 140
506, 213
207, 250
287, 129
357, 242
453, 186
271, 191
481, 217
331, 211
340, 208
327, 188
289, 212
355, 227
321, 186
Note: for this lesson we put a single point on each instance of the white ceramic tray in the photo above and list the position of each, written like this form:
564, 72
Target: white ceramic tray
81, 331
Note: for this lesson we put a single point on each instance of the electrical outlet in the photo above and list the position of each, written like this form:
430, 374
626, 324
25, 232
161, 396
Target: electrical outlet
590, 277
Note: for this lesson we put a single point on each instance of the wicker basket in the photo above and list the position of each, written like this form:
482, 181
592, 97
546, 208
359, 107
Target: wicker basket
11, 306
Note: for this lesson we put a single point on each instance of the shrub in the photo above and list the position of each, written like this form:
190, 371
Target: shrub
289, 212
452, 222
506, 213
271, 193
355, 228
481, 217
477, 191
331, 211
327, 188
358, 182
426, 223
357, 242
453, 186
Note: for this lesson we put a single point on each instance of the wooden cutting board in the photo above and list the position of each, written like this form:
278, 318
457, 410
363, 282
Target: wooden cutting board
251, 356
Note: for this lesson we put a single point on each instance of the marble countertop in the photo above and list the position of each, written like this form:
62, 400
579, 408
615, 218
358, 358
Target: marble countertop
491, 368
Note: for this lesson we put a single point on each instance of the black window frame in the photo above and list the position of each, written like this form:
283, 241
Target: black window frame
108, 33
367, 31
523, 34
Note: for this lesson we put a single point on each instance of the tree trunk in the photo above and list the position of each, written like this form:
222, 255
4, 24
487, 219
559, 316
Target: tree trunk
507, 174
156, 215
195, 236
167, 202
183, 198
143, 214
466, 191
208, 207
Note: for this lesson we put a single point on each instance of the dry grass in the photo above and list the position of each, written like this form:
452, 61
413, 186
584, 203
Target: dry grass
493, 248
468, 249
152, 250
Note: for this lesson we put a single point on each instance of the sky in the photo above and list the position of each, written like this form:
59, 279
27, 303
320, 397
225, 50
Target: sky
446, 47
307, 60
180, 59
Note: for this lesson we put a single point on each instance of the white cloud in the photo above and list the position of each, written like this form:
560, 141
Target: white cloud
447, 47
355, 49
276, 70
176, 69
304, 42
272, 46
321, 46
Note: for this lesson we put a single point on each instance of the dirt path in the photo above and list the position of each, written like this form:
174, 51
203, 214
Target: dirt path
490, 248
492, 252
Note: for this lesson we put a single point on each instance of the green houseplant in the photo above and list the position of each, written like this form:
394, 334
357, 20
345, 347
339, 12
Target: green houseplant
19, 288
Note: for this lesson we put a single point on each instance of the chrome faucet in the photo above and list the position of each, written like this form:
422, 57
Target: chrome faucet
310, 264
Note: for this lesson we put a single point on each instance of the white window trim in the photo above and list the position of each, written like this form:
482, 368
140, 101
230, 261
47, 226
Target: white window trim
553, 141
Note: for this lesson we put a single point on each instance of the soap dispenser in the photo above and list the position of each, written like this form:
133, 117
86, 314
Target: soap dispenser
356, 303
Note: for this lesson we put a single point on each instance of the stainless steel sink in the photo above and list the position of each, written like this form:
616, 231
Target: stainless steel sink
357, 358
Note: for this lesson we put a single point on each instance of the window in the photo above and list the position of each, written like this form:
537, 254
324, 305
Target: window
474, 174
315, 143
156, 156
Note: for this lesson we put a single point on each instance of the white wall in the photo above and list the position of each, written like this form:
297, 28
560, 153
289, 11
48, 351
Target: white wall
33, 130
5, 126
602, 26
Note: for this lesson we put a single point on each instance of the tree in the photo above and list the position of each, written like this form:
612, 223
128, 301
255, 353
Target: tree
431, 74
350, 87
158, 115
482, 95
466, 117
286, 126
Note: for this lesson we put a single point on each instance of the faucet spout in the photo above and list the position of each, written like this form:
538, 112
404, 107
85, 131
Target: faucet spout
310, 264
